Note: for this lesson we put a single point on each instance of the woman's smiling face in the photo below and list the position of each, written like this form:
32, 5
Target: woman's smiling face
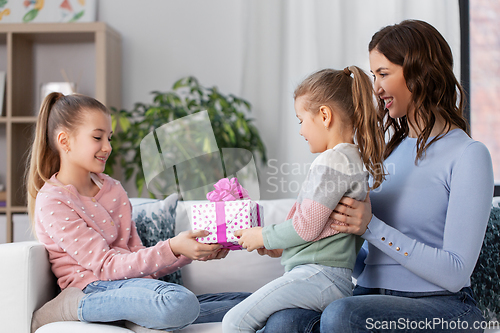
390, 84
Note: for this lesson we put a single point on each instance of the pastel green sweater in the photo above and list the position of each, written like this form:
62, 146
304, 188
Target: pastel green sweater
306, 236
339, 250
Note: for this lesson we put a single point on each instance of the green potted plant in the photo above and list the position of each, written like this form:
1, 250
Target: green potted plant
228, 115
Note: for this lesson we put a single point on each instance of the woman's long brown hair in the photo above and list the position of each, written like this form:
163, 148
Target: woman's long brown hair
427, 64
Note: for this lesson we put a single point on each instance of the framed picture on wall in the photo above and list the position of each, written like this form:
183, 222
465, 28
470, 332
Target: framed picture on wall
36, 11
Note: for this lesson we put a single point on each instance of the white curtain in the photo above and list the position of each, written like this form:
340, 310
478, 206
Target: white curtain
285, 40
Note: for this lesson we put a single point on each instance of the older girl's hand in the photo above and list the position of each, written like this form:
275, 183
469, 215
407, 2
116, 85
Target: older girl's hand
185, 243
355, 214
220, 254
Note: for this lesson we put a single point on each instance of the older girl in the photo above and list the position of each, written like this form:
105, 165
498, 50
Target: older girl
83, 217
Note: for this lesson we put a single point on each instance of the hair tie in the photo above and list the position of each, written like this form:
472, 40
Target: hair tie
347, 71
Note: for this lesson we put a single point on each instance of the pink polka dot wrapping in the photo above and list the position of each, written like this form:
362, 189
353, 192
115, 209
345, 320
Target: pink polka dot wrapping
240, 214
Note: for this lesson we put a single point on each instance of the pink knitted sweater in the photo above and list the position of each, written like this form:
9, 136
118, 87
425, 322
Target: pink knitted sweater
94, 238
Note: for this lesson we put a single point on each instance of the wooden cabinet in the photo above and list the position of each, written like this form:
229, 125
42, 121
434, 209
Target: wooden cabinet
30, 54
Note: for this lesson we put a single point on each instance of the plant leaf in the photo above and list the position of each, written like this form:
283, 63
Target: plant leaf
231, 126
124, 123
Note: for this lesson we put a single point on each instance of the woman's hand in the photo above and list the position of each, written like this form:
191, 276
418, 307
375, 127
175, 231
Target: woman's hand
250, 239
185, 243
272, 253
355, 214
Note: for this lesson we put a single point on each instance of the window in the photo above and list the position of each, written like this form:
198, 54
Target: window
485, 77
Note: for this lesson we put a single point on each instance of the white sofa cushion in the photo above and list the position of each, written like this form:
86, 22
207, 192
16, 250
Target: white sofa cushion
27, 283
79, 327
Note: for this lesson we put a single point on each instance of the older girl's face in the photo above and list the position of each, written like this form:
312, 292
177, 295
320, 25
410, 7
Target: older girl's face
390, 85
90, 146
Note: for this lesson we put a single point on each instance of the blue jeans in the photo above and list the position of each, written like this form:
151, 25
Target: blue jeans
307, 286
376, 310
153, 304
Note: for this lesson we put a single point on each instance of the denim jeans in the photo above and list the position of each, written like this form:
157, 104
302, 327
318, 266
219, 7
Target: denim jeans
152, 304
308, 286
381, 310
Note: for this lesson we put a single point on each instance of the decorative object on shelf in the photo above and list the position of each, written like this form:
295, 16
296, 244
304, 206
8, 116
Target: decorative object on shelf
229, 119
17, 11
3, 196
2, 91
66, 88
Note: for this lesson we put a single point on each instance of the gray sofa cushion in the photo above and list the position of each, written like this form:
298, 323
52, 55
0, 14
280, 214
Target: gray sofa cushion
485, 279
155, 221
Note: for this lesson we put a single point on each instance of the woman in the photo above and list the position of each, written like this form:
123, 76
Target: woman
429, 216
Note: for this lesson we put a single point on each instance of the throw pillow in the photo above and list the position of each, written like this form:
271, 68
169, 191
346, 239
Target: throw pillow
485, 280
155, 221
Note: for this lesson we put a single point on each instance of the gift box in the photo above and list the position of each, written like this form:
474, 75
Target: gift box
229, 209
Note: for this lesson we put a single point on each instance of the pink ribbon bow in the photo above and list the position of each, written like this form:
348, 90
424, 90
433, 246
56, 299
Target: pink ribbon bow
227, 190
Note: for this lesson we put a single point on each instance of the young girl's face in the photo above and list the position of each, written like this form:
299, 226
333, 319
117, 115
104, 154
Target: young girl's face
90, 145
390, 84
311, 126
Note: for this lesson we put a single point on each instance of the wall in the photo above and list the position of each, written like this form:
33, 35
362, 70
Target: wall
259, 50
166, 40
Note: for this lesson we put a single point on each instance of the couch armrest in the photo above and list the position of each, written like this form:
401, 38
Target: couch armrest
26, 283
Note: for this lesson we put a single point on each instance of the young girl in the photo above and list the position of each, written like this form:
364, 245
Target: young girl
84, 219
335, 110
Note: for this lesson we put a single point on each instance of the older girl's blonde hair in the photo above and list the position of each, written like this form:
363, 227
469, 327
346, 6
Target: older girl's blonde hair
56, 112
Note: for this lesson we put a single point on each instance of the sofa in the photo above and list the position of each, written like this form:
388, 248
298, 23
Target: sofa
26, 281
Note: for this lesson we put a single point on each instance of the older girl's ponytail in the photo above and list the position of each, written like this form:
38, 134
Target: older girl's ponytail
367, 125
43, 160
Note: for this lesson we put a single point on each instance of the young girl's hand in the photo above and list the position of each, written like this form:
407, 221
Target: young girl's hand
250, 239
355, 214
185, 243
272, 253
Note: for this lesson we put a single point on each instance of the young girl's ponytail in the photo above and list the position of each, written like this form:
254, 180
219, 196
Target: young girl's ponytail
350, 92
367, 125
